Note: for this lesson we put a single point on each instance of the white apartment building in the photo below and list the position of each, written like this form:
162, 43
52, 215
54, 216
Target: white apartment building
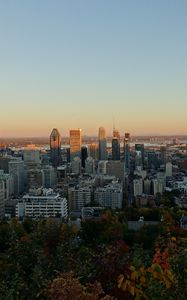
46, 205
158, 186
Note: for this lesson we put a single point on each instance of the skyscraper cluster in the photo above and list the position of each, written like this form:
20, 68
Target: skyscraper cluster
109, 171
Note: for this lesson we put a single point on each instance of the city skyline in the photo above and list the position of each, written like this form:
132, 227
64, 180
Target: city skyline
69, 64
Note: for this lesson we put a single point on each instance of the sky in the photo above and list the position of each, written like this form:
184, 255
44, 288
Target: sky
84, 63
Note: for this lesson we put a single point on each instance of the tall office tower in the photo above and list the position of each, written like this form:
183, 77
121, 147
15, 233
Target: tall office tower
55, 148
116, 134
68, 157
93, 150
153, 159
4, 160
140, 147
49, 174
90, 165
2, 200
163, 154
75, 143
76, 165
138, 187
31, 155
169, 168
17, 169
147, 186
84, 155
116, 145
127, 151
102, 144
115, 168
32, 160
8, 180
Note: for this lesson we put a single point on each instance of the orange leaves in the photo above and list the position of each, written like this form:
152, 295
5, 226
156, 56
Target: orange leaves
129, 286
131, 283
140, 279
162, 258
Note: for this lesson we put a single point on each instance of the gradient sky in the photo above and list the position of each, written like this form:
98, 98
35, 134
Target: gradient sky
83, 63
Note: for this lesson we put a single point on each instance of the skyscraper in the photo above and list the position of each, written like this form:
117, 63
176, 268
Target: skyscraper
163, 154
116, 145
2, 199
116, 134
102, 144
127, 151
93, 150
17, 169
84, 155
75, 143
140, 147
55, 148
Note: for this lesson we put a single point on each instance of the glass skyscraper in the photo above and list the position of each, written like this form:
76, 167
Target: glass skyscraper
75, 143
55, 148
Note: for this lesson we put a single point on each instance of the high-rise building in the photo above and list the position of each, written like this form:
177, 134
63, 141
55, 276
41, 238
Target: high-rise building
138, 160
115, 168
93, 150
127, 151
55, 148
116, 145
102, 144
17, 170
163, 154
90, 165
4, 160
147, 186
32, 160
49, 176
2, 199
115, 149
31, 155
75, 143
109, 196
169, 168
153, 159
76, 165
102, 167
79, 197
140, 147
138, 187
116, 134
158, 186
84, 155
8, 180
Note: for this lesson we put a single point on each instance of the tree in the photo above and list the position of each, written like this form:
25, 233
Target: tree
68, 287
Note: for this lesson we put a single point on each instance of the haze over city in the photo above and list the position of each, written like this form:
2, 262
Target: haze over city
93, 150
81, 64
